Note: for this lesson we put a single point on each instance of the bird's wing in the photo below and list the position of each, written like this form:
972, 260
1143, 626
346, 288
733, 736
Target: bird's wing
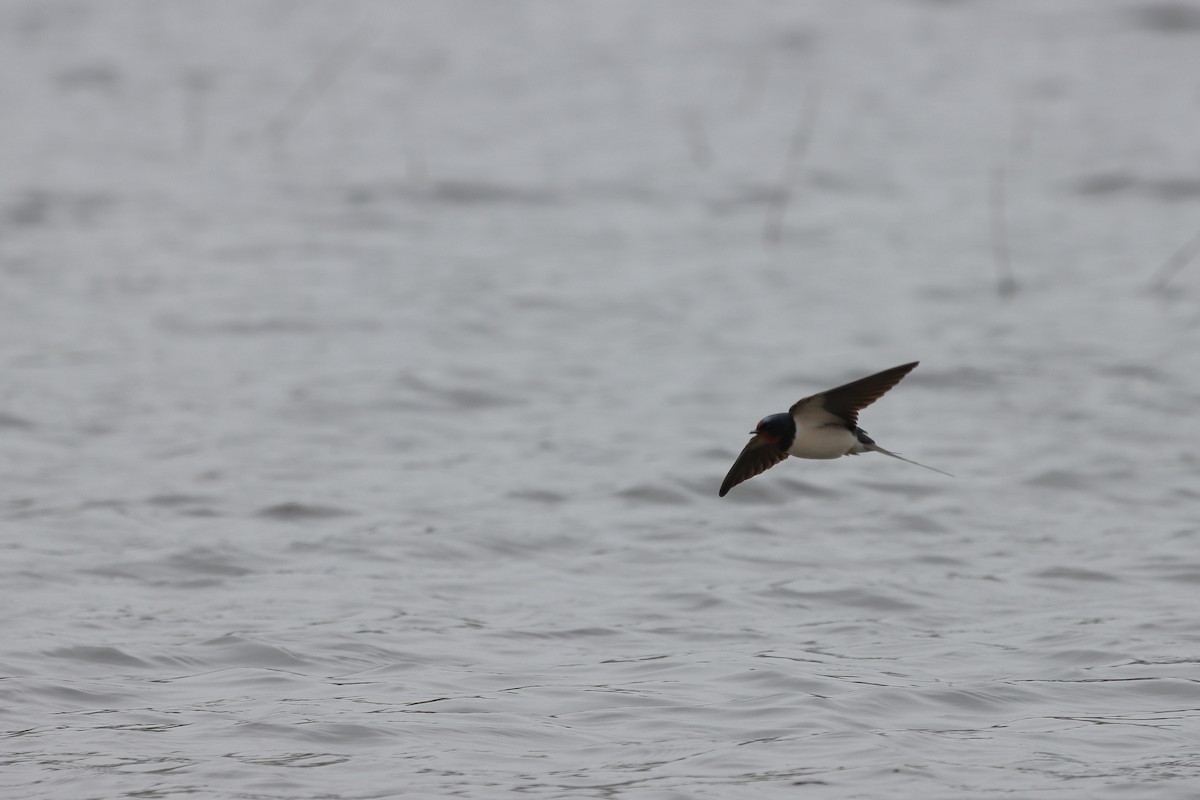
759, 455
843, 403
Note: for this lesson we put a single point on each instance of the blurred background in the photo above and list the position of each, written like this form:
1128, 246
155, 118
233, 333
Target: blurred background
370, 370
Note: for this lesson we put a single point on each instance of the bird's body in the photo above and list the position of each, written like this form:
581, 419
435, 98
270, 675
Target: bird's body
824, 441
822, 426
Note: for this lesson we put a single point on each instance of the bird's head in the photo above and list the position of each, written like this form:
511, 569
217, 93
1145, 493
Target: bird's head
777, 427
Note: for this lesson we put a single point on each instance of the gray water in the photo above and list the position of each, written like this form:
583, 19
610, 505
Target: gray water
370, 370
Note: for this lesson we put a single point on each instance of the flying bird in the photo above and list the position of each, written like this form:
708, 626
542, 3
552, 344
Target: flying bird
823, 425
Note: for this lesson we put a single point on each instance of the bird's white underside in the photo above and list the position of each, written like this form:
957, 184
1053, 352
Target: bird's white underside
822, 435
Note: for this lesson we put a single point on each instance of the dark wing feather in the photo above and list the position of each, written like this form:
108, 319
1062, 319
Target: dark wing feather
759, 455
846, 401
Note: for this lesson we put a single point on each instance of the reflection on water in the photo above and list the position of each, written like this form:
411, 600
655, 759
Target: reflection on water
389, 447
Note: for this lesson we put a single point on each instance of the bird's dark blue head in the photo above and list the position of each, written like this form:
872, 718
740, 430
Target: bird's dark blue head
779, 428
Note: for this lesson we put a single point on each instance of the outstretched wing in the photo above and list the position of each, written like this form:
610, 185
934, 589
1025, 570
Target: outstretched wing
844, 402
759, 455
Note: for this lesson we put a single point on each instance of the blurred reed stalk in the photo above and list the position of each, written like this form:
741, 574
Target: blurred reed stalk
1006, 282
196, 83
753, 81
793, 163
317, 83
1175, 263
695, 133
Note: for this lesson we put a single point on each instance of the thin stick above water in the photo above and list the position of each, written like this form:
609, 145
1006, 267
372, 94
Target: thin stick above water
1006, 282
793, 163
326, 71
1176, 262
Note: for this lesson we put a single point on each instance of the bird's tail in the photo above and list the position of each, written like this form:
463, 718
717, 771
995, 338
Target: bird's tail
871, 446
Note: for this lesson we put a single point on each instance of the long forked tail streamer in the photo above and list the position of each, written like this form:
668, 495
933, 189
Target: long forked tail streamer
877, 449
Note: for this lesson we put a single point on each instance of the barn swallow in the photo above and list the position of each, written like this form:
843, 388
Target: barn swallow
823, 425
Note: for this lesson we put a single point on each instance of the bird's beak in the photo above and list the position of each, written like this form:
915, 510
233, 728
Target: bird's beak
753, 433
